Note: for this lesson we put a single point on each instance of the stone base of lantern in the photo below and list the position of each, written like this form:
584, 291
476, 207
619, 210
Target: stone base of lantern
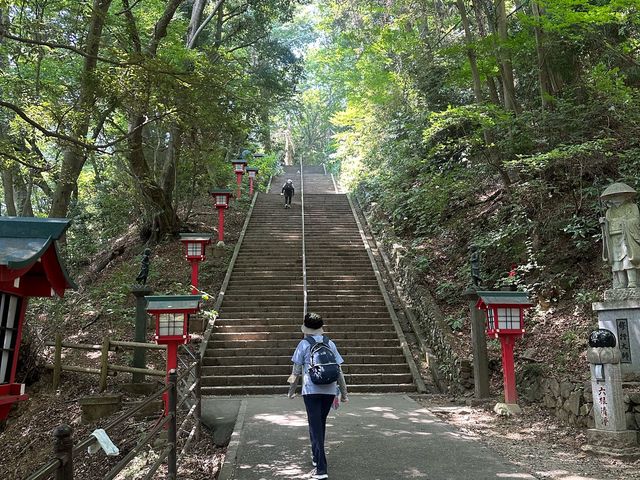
95, 407
618, 444
507, 409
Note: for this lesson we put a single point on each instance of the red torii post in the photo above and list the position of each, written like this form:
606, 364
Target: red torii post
29, 267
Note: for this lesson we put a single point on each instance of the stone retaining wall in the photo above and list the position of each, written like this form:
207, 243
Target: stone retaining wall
455, 370
572, 402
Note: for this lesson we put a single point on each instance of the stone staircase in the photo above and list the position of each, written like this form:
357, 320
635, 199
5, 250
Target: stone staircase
249, 351
343, 289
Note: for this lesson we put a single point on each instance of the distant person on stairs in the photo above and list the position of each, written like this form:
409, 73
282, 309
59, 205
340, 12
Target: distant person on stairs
288, 191
317, 359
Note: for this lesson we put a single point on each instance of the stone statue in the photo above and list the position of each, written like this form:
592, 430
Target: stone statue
474, 260
246, 155
144, 269
621, 235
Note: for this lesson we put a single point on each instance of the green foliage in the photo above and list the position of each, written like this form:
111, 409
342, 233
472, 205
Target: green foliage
456, 322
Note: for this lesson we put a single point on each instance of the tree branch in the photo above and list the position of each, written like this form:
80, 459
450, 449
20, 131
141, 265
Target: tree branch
30, 41
206, 21
66, 138
23, 163
160, 28
248, 44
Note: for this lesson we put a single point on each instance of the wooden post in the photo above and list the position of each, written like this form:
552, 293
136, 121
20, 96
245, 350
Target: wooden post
57, 362
198, 411
172, 468
63, 451
104, 364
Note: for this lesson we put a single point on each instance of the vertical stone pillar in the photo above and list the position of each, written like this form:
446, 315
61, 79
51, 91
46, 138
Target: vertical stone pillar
479, 344
606, 385
140, 354
610, 435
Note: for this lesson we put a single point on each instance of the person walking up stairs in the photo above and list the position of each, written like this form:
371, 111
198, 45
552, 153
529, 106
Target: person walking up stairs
288, 190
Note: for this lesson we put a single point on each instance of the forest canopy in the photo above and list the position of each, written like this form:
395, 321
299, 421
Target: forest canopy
488, 122
513, 114
112, 111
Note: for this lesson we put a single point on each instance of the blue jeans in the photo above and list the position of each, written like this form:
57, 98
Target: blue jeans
318, 406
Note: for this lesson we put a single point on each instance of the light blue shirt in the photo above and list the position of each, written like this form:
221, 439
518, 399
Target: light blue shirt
302, 356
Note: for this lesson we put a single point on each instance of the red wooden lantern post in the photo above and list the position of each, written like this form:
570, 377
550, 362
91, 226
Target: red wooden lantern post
172, 325
29, 267
253, 172
239, 166
195, 245
505, 320
221, 200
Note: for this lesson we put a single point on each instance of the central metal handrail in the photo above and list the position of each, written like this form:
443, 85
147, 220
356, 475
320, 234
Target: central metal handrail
304, 255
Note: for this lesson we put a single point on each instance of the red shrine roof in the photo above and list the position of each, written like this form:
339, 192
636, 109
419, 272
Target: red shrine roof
29, 260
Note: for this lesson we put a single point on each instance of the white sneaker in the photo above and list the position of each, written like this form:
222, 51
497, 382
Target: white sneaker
319, 476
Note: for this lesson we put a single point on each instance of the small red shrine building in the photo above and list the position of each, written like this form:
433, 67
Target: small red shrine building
29, 267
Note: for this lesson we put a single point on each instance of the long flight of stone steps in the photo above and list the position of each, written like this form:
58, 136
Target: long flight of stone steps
249, 351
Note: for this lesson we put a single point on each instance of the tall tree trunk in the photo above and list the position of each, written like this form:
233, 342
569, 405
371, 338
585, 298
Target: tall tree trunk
265, 130
471, 54
7, 187
543, 69
23, 195
490, 81
219, 25
508, 81
170, 166
75, 156
161, 214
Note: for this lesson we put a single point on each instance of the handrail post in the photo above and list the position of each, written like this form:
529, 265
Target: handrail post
63, 451
198, 411
104, 364
172, 469
57, 362
304, 255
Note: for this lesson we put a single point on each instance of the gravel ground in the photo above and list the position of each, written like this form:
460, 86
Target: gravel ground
535, 440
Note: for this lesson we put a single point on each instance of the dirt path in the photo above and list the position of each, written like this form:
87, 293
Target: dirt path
534, 440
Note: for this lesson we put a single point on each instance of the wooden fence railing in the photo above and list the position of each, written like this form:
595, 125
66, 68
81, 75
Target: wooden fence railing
106, 368
189, 389
65, 451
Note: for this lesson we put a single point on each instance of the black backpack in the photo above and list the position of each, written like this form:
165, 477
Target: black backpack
323, 367
288, 188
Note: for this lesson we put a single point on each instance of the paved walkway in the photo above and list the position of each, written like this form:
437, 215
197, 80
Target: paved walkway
373, 437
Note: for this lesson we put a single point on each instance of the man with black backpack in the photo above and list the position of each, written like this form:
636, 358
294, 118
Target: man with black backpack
288, 190
317, 359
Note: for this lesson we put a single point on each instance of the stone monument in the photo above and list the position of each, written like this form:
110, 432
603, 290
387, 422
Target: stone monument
610, 435
620, 310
